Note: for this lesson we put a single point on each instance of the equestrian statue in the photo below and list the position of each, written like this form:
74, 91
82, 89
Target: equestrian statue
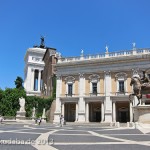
140, 86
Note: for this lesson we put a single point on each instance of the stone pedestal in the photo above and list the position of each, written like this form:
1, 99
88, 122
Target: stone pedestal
20, 115
142, 113
44, 116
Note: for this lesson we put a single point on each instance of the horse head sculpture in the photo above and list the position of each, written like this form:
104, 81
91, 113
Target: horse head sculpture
139, 88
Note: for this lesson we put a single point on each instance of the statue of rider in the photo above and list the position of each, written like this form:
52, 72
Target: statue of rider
145, 79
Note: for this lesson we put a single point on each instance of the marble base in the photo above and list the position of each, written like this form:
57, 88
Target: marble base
142, 113
20, 115
108, 117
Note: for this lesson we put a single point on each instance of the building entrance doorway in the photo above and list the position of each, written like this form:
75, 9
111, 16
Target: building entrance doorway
122, 114
94, 112
70, 112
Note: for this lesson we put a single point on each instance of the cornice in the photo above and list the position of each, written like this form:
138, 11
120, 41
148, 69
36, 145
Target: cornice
121, 67
34, 50
102, 61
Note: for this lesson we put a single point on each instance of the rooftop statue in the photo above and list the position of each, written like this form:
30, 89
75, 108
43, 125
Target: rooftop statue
42, 45
133, 44
106, 48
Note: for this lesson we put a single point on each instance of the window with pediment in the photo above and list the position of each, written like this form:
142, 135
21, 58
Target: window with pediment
121, 79
94, 84
69, 85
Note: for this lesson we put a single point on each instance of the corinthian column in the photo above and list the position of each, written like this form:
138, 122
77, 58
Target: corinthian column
102, 112
114, 111
131, 112
87, 112
39, 80
33, 79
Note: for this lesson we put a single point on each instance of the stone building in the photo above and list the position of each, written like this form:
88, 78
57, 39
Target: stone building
49, 72
39, 70
34, 66
96, 88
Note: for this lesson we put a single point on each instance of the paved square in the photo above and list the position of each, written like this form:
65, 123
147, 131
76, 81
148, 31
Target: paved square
70, 137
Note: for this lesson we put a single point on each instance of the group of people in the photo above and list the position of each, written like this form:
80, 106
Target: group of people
38, 120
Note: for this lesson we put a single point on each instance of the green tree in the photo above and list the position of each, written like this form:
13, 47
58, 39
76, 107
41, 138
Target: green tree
1, 96
19, 82
9, 103
37, 102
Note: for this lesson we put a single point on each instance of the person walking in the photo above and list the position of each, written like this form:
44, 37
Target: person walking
39, 120
61, 120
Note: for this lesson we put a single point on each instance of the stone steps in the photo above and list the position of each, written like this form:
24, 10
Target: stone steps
88, 124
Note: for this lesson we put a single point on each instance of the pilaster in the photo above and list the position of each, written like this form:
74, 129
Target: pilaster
108, 101
57, 112
81, 114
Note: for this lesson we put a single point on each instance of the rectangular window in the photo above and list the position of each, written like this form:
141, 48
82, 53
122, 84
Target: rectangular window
121, 86
70, 89
94, 86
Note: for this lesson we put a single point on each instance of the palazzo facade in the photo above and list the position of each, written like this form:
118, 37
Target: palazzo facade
96, 88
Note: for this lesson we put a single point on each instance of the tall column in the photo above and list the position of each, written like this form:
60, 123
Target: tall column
33, 79
131, 112
102, 112
114, 111
77, 109
63, 109
81, 84
57, 112
87, 112
108, 102
39, 80
81, 114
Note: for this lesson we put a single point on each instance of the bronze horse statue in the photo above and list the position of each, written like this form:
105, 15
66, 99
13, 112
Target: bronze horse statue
139, 88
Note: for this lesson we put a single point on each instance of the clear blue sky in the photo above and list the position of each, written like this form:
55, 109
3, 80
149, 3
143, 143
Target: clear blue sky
69, 26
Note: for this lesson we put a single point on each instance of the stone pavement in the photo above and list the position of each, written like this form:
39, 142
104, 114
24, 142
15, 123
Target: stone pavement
70, 137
